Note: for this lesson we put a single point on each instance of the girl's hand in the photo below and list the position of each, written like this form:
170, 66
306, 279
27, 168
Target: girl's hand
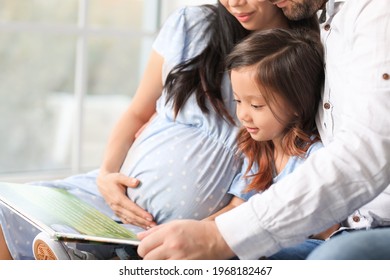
113, 187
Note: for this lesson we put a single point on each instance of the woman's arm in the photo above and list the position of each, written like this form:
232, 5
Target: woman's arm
111, 183
232, 204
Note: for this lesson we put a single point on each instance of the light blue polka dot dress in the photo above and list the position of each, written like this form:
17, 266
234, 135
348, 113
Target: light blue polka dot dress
186, 165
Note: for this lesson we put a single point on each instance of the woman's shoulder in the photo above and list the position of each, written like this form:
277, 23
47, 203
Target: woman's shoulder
184, 34
189, 17
198, 12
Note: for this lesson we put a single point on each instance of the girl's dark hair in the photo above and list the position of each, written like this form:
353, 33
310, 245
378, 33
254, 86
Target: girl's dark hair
202, 75
288, 64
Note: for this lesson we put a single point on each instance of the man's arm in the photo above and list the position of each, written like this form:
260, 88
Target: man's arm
353, 167
184, 239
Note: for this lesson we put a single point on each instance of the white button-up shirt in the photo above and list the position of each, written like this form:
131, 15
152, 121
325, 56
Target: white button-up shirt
354, 166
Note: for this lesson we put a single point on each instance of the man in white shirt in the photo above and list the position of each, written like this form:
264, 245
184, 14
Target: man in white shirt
345, 181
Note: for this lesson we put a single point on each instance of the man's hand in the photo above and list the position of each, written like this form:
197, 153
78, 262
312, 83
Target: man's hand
184, 239
113, 187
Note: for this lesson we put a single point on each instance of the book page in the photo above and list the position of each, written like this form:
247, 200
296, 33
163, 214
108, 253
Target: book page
62, 212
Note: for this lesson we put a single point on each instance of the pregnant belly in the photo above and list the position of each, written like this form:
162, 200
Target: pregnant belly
184, 174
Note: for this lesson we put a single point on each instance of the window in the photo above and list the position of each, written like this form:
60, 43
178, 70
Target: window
69, 69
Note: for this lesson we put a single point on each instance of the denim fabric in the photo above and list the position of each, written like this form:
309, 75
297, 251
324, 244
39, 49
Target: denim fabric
372, 244
298, 252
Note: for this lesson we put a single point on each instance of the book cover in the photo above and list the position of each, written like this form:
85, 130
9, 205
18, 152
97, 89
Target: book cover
62, 215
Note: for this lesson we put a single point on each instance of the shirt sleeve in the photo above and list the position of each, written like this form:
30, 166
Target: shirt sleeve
241, 181
182, 36
353, 167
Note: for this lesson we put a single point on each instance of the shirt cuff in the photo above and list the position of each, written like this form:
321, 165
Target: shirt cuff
244, 234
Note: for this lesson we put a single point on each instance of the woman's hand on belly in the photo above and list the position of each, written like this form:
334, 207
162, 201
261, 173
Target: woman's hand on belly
113, 187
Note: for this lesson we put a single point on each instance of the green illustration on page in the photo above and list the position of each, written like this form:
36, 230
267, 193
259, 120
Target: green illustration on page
62, 215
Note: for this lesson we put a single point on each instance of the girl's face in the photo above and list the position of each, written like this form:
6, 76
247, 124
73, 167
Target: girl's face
252, 110
255, 14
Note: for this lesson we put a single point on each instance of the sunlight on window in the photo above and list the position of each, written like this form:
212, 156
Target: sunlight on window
38, 65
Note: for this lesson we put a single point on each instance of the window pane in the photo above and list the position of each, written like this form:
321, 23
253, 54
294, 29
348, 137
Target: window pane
115, 64
115, 67
100, 114
33, 78
118, 13
42, 11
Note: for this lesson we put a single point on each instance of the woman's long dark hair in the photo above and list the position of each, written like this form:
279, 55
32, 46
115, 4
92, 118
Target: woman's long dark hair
202, 75
288, 66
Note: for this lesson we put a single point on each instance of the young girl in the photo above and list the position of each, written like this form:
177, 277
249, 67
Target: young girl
277, 77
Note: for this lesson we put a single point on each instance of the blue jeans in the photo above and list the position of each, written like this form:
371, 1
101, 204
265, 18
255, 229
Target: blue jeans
373, 244
298, 252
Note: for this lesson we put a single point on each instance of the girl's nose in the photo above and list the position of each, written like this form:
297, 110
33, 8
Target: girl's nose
243, 115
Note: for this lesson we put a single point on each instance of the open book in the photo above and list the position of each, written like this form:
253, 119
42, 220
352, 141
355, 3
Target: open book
62, 215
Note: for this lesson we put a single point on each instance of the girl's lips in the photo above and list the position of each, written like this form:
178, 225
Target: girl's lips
243, 17
252, 129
